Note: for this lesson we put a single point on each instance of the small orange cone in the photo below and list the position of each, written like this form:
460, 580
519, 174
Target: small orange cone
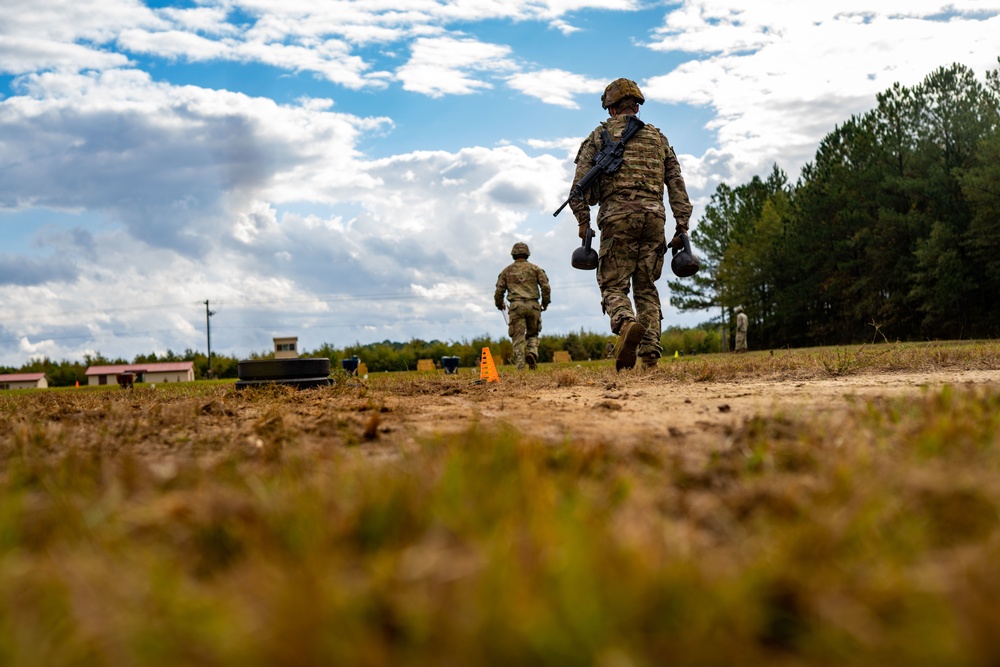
487, 370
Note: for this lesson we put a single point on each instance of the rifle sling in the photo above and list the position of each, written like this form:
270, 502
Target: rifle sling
632, 126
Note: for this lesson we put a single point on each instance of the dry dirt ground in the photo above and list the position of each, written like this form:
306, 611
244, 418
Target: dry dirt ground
633, 409
389, 416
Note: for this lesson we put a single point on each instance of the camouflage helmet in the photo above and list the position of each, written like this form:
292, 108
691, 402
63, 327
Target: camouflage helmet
520, 249
618, 90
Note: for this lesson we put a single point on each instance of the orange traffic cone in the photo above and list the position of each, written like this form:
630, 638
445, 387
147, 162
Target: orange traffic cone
487, 369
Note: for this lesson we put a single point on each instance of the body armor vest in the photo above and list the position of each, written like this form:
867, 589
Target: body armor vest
641, 174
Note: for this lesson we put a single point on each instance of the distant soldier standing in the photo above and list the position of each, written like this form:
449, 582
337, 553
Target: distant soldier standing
522, 281
631, 219
741, 330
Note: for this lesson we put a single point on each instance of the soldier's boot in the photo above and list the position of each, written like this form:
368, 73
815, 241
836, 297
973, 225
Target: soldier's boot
649, 362
532, 360
629, 336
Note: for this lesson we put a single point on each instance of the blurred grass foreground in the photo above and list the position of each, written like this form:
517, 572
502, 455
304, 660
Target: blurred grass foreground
126, 540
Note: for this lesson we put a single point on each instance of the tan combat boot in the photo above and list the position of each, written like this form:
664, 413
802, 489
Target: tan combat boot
532, 360
629, 336
649, 362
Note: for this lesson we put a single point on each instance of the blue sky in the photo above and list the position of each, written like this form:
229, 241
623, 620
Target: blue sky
357, 170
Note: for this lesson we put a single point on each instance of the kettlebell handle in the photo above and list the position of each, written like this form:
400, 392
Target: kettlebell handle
685, 244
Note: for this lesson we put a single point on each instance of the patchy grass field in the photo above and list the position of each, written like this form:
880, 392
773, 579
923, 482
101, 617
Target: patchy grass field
828, 506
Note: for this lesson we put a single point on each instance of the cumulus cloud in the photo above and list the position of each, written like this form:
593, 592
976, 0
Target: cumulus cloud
21, 271
193, 187
167, 160
66, 34
172, 44
443, 65
780, 75
204, 20
311, 37
555, 86
19, 55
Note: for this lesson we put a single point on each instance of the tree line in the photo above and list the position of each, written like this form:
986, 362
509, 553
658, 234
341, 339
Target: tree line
383, 356
893, 230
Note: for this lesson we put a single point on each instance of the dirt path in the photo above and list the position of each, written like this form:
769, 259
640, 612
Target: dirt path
633, 410
690, 419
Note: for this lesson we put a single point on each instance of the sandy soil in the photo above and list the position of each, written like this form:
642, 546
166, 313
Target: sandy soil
634, 409
387, 417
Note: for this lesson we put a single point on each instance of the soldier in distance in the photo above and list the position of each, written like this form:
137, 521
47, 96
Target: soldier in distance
631, 219
741, 329
523, 283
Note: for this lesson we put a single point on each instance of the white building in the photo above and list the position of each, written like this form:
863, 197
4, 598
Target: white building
286, 348
24, 381
168, 371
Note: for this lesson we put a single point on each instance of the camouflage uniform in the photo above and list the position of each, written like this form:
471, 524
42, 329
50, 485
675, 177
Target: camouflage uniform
741, 330
631, 219
522, 281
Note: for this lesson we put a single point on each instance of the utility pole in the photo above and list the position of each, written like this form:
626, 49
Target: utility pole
208, 330
723, 334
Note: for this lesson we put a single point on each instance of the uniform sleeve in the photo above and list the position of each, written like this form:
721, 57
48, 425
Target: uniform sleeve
543, 284
584, 161
677, 194
501, 290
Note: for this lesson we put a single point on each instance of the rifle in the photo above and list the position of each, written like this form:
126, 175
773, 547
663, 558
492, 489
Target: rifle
607, 160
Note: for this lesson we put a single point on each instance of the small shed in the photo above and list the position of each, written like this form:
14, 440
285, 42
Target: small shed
167, 371
24, 381
286, 348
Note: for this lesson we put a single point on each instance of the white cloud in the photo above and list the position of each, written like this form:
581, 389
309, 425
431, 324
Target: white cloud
47, 34
166, 160
781, 75
297, 36
19, 55
192, 186
206, 20
443, 65
172, 44
555, 86
70, 20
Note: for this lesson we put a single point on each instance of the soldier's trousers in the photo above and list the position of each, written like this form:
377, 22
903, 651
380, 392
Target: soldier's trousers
525, 323
631, 255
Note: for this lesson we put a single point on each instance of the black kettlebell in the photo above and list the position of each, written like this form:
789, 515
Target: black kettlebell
684, 262
585, 257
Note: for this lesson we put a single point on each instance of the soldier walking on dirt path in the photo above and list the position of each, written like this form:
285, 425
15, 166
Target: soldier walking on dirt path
741, 330
631, 220
523, 282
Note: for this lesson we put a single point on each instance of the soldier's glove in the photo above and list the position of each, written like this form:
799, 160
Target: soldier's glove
582, 230
545, 306
681, 228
